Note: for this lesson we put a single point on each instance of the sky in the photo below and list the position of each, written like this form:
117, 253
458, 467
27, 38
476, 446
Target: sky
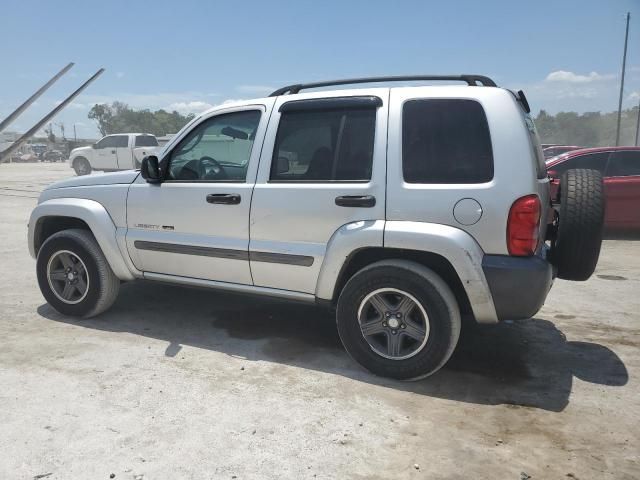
190, 55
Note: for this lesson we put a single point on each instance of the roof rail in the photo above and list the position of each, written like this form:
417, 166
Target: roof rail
471, 80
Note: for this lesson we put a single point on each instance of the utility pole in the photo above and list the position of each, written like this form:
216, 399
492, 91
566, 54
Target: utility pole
624, 66
75, 137
638, 124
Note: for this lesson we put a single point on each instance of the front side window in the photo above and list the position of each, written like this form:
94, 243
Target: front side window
216, 150
445, 141
594, 161
146, 141
324, 145
121, 141
107, 142
624, 164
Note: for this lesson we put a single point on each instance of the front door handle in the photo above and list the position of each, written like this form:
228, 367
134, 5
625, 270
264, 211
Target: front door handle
224, 198
113, 151
366, 201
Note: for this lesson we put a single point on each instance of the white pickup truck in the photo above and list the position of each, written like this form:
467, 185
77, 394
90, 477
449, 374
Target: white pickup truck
123, 151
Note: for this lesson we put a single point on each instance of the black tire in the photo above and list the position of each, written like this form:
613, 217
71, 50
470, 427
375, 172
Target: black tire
102, 283
433, 295
81, 166
576, 248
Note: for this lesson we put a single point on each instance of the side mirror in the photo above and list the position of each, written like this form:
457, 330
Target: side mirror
94, 146
283, 165
150, 170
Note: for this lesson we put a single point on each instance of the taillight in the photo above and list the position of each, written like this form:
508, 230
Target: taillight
523, 226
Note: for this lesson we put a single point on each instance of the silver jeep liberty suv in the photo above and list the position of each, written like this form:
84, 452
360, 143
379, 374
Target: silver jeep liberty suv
402, 208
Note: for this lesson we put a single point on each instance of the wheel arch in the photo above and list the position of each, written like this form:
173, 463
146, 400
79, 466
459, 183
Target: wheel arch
363, 257
59, 214
449, 251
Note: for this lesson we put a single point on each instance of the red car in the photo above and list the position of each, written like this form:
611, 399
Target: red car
620, 167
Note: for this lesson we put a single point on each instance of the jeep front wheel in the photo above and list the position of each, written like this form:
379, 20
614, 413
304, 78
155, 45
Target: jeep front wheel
82, 166
398, 319
74, 275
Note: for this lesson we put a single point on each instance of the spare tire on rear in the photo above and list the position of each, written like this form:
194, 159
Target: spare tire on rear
576, 248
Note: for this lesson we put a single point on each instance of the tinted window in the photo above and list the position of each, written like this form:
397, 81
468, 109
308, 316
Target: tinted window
445, 141
146, 141
216, 150
594, 161
121, 141
107, 142
324, 145
624, 164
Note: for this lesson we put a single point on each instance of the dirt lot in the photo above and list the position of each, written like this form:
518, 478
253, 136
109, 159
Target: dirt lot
178, 383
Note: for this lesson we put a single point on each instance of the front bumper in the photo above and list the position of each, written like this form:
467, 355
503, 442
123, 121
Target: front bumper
519, 285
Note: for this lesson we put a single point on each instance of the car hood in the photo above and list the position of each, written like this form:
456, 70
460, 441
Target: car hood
75, 151
115, 178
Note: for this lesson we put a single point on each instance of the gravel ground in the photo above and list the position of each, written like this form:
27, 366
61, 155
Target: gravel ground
178, 383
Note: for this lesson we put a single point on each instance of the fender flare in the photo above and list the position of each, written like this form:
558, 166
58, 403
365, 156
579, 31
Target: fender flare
95, 216
451, 243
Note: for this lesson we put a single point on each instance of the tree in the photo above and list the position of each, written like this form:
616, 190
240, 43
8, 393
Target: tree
120, 118
589, 129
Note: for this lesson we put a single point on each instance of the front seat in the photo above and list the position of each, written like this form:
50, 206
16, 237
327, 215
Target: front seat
320, 165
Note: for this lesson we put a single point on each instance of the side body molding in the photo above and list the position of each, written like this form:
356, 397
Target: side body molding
346, 240
456, 246
98, 220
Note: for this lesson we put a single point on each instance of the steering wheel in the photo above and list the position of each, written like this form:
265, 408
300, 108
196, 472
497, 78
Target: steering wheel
210, 169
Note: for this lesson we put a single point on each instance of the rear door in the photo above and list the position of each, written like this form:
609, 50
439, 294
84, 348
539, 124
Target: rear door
622, 187
322, 167
124, 151
144, 145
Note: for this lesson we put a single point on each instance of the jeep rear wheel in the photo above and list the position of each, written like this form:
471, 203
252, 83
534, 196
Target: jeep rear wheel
576, 248
74, 275
398, 319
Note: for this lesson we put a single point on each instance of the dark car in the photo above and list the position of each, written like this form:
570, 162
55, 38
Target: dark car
52, 156
620, 167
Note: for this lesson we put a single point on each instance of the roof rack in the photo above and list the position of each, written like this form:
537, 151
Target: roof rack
471, 80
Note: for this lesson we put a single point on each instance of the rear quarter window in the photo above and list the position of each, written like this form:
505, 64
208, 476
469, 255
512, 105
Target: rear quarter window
445, 141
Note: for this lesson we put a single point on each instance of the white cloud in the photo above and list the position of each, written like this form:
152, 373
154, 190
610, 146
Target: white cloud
570, 77
255, 89
189, 107
563, 90
634, 96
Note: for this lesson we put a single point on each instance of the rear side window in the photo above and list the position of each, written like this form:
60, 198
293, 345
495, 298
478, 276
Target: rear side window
445, 141
324, 145
624, 164
146, 141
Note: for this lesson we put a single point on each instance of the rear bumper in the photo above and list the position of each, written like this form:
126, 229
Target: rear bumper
518, 285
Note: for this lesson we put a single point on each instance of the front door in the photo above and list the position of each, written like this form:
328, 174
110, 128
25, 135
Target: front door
105, 156
322, 167
196, 222
622, 190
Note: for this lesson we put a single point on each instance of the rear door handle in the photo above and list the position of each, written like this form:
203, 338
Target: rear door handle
224, 198
366, 201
